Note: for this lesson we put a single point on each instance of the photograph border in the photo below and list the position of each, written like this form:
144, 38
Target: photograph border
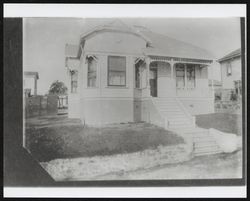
21, 169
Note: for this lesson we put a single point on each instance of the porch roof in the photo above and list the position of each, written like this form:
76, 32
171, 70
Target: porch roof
31, 73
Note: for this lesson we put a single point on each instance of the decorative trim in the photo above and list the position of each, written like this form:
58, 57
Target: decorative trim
177, 59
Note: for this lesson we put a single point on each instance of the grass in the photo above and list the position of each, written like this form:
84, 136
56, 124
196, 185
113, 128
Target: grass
58, 137
229, 123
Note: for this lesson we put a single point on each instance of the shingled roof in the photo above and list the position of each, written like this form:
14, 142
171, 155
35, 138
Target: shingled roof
31, 73
233, 54
165, 46
157, 44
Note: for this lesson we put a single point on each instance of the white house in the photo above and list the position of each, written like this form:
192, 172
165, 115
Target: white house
30, 83
129, 74
231, 71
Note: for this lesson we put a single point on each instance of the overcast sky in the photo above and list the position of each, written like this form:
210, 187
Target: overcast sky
44, 40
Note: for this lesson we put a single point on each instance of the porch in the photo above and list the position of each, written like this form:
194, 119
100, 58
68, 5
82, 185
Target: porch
172, 77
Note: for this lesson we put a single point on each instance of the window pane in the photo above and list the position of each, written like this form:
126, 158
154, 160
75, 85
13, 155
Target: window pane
117, 63
180, 76
180, 82
74, 81
92, 82
190, 76
92, 66
117, 70
116, 78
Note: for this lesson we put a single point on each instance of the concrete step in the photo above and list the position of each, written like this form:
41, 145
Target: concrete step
179, 112
174, 115
177, 126
173, 119
179, 121
203, 144
167, 106
207, 153
206, 149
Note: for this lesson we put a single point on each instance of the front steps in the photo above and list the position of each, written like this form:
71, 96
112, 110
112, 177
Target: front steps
203, 143
180, 121
173, 113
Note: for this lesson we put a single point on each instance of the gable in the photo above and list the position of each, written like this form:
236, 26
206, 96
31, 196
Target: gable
115, 42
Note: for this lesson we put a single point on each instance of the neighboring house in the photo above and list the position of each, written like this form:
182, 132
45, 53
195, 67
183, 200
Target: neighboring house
30, 83
231, 71
130, 74
217, 85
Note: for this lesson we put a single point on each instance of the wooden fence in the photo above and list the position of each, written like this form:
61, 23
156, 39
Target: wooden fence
228, 106
41, 105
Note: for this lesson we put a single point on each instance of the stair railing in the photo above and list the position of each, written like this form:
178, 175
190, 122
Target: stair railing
166, 121
187, 113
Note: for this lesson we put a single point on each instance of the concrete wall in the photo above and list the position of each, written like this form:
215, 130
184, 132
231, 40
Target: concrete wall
228, 81
98, 112
150, 113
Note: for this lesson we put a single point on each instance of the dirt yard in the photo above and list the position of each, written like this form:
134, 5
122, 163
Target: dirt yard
217, 166
56, 137
230, 123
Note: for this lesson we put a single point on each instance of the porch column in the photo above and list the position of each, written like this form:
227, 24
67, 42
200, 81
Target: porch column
148, 77
212, 75
172, 68
172, 77
35, 86
185, 72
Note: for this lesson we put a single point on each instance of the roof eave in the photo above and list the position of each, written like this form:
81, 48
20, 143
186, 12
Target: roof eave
228, 58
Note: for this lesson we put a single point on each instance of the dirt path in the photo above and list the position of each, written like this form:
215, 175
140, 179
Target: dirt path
204, 167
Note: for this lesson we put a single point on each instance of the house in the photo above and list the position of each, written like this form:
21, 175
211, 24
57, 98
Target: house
231, 72
216, 84
30, 83
120, 74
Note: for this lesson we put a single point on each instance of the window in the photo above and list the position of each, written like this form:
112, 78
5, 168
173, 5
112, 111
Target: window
238, 88
73, 81
116, 71
190, 76
229, 69
91, 72
180, 76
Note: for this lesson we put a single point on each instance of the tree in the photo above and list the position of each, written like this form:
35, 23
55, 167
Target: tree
58, 88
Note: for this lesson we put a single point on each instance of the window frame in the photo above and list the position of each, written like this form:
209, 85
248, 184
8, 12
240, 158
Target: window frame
73, 81
88, 62
229, 66
125, 71
184, 79
187, 73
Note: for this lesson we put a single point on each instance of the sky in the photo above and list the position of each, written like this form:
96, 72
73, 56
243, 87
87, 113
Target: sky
44, 40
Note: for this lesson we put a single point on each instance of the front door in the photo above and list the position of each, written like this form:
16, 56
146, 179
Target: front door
153, 82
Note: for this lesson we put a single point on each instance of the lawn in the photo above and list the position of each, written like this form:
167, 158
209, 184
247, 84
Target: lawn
50, 138
229, 123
